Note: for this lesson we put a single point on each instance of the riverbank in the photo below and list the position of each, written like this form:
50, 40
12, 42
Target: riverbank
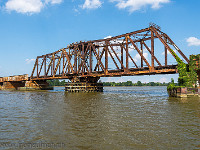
183, 92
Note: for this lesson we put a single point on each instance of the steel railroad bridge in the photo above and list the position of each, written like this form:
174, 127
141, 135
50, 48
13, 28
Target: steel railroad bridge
83, 63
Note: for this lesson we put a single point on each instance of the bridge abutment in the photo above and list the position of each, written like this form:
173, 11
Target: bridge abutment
23, 83
87, 84
11, 85
36, 85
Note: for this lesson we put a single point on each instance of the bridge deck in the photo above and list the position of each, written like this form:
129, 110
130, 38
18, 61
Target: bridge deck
171, 69
17, 78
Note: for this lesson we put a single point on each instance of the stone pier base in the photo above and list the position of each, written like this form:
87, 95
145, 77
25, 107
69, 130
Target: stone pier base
184, 92
84, 87
36, 85
25, 85
11, 85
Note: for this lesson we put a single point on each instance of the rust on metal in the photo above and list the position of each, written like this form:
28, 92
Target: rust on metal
97, 58
17, 78
108, 57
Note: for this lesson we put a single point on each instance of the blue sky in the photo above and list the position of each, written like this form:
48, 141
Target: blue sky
29, 28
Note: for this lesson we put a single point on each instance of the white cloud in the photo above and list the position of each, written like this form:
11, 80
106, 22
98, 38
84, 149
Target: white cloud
91, 4
193, 41
163, 53
134, 5
138, 58
54, 1
76, 10
28, 61
131, 48
108, 37
168, 53
24, 6
28, 6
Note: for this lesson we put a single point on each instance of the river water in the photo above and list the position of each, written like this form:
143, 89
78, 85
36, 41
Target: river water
119, 118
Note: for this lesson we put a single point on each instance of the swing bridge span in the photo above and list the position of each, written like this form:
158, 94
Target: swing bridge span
135, 53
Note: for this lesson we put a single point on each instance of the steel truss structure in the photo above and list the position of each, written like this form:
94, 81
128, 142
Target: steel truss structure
128, 54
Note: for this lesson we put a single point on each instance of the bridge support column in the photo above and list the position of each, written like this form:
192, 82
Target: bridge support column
11, 85
87, 84
36, 85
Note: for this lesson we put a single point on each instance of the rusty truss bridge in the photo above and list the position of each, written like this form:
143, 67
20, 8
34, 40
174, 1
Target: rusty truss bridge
135, 53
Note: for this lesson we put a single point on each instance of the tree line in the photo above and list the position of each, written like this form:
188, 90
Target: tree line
57, 82
139, 83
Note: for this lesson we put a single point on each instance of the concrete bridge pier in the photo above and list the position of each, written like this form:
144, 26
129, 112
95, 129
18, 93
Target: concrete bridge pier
22, 82
36, 85
1, 84
10, 85
86, 84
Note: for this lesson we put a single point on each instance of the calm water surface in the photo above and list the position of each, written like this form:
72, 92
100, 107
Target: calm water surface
119, 118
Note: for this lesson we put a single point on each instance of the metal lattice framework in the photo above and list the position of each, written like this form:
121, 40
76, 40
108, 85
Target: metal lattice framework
115, 56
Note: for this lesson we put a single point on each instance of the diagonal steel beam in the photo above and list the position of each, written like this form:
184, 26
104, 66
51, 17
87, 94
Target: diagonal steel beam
163, 41
139, 52
115, 54
113, 59
98, 59
68, 59
34, 68
83, 60
101, 55
58, 63
131, 58
150, 53
41, 66
176, 47
48, 68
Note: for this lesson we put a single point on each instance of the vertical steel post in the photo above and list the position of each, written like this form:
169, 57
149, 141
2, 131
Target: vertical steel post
83, 57
90, 58
37, 69
106, 58
68, 67
141, 44
53, 68
97, 60
63, 63
122, 58
45, 65
79, 59
165, 52
126, 53
59, 68
75, 59
152, 49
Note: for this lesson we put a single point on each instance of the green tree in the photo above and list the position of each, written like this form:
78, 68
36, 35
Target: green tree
139, 83
129, 83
